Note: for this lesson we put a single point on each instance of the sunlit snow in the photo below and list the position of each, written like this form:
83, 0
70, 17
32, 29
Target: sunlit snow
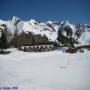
54, 70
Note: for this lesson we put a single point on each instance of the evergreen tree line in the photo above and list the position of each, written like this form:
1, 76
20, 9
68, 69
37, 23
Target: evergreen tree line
27, 39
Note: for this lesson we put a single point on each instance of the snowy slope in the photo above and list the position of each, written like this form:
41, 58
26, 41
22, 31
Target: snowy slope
67, 23
53, 70
41, 28
85, 37
9, 24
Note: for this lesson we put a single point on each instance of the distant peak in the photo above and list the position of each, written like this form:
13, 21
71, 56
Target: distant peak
15, 18
50, 22
32, 20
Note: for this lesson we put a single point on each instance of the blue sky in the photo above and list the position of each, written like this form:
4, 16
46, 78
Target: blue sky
77, 11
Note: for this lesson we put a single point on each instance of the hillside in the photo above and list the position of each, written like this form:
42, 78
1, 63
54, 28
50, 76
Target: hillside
80, 32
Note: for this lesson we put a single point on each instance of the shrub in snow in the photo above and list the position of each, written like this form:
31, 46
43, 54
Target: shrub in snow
81, 50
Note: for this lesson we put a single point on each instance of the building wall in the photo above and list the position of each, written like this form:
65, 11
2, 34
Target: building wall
37, 48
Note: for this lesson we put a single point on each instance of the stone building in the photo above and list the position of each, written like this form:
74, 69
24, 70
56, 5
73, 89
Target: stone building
29, 42
38, 48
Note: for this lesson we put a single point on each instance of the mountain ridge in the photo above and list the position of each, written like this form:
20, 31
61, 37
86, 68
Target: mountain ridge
49, 28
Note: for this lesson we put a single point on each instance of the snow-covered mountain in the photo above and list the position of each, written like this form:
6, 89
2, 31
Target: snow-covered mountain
49, 28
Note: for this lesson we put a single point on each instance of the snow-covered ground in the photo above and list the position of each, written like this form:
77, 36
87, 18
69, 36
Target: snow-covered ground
52, 70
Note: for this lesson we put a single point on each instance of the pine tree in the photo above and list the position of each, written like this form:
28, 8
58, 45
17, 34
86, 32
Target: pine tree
3, 41
66, 40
